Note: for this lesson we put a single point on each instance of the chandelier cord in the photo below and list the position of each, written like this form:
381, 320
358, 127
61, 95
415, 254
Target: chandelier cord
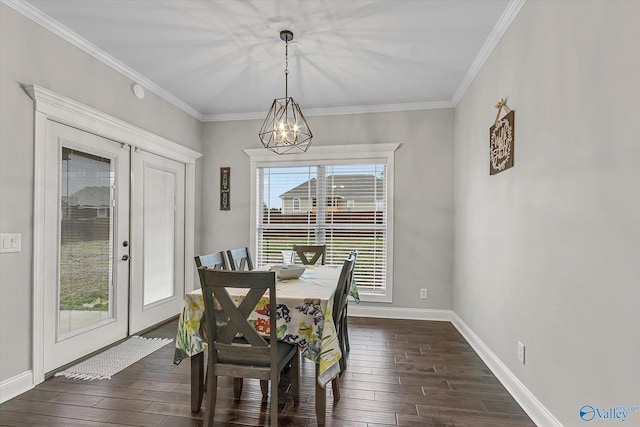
286, 69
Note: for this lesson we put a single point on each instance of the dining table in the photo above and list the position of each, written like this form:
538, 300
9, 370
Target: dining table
304, 318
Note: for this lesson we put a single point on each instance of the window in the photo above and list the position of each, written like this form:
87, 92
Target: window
344, 204
102, 212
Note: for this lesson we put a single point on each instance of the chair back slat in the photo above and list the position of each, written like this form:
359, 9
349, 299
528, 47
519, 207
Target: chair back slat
226, 320
311, 254
216, 261
240, 259
239, 316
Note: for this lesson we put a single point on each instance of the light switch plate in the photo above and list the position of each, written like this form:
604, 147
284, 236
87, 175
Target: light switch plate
521, 353
10, 242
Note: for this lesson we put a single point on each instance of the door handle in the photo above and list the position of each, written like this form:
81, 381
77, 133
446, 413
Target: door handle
125, 257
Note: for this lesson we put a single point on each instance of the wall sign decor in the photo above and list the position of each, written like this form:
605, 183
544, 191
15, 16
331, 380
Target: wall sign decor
225, 189
501, 140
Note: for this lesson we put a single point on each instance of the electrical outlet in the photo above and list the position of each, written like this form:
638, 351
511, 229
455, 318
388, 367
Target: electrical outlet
423, 293
521, 352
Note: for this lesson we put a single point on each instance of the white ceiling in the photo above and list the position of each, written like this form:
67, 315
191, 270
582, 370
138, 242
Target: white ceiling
223, 59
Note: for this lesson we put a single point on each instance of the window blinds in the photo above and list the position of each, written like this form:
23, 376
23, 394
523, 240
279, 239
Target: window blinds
340, 206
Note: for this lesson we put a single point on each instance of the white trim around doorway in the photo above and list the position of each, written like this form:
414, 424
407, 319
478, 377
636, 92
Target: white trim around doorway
52, 106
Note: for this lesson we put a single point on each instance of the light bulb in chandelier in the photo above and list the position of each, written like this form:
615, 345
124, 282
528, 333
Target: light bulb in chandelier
286, 132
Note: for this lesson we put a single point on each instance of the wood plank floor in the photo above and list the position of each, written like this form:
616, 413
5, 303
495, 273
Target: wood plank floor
400, 373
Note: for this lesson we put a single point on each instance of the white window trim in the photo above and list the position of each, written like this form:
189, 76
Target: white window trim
259, 157
296, 206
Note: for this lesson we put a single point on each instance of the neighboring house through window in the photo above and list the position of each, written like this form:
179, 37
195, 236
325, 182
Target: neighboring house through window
354, 186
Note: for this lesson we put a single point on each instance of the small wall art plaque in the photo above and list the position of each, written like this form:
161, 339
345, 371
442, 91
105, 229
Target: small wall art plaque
501, 140
225, 189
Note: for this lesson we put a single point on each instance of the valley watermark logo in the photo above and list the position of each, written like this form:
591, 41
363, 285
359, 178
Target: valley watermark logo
614, 413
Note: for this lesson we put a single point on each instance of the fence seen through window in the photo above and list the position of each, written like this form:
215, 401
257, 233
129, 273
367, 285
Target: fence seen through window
340, 206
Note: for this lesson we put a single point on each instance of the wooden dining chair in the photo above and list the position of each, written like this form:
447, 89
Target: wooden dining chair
310, 254
235, 348
339, 312
240, 259
218, 261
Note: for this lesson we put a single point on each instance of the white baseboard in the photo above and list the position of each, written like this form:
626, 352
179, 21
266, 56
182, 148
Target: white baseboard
538, 413
529, 403
15, 386
400, 313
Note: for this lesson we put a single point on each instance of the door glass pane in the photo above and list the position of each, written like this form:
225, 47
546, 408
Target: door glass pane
159, 234
86, 241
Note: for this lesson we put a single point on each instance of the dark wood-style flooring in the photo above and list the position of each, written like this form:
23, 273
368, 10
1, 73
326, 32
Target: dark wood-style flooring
400, 373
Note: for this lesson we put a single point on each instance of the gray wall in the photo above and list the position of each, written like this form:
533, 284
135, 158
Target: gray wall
548, 253
29, 54
423, 226
545, 253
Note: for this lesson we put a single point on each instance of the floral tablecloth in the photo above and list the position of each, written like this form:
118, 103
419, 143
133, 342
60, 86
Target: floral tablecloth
304, 318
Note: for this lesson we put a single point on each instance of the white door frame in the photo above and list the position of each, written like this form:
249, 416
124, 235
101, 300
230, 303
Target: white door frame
52, 106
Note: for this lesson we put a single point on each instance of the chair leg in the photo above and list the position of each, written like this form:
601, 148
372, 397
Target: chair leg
335, 386
295, 378
346, 329
345, 336
264, 387
321, 400
273, 404
212, 386
237, 388
198, 381
343, 350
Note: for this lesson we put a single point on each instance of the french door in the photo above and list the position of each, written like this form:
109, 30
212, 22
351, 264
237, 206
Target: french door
157, 239
87, 207
116, 220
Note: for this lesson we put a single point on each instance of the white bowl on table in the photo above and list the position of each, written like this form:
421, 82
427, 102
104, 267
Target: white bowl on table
288, 272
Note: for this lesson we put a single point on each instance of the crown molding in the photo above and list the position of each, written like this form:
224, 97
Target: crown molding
496, 34
338, 111
55, 27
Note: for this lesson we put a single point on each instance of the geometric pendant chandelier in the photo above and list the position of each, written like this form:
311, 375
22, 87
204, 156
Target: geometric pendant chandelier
285, 129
